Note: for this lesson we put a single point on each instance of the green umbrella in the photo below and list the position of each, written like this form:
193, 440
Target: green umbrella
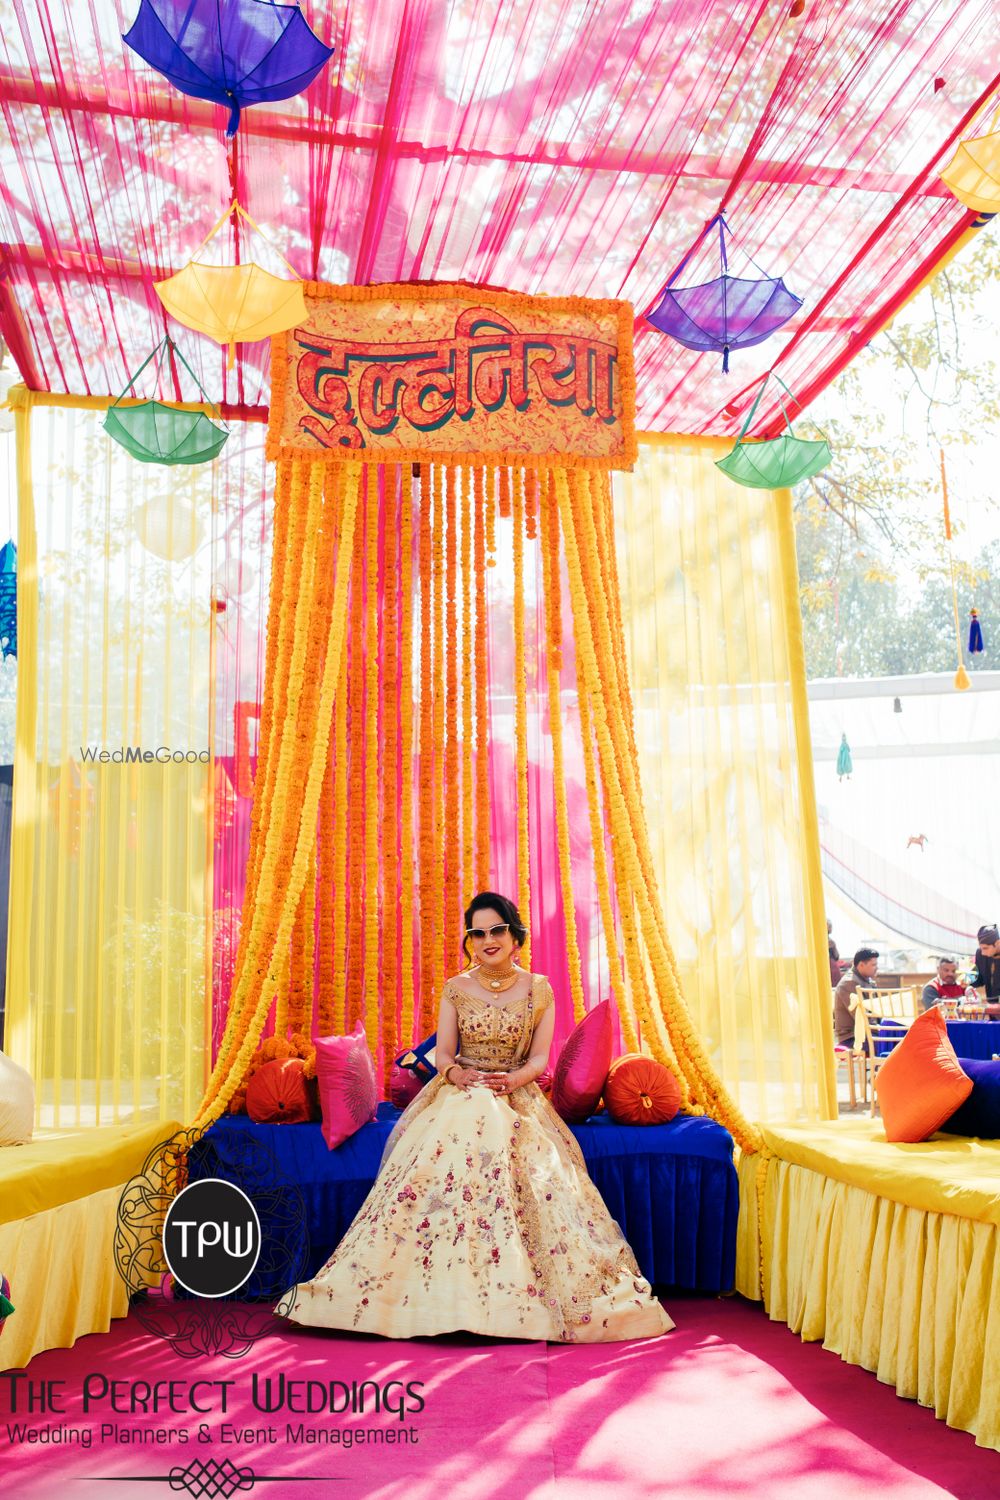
777, 462
155, 433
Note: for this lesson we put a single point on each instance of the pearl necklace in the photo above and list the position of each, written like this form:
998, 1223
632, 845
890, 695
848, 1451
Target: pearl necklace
503, 979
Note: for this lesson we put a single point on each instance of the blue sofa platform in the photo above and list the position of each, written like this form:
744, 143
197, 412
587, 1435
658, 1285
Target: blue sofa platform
672, 1188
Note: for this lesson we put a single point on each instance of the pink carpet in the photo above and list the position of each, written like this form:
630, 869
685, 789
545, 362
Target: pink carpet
729, 1404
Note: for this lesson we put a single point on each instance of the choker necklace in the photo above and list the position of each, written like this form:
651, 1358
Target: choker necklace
502, 979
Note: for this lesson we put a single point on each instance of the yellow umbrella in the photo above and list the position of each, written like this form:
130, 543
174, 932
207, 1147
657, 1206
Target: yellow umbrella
232, 303
973, 174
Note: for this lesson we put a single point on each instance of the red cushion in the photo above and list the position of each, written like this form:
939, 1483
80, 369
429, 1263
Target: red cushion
404, 1086
348, 1093
578, 1078
640, 1091
921, 1083
278, 1093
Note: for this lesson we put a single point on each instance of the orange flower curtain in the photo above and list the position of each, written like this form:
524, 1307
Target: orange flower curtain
377, 784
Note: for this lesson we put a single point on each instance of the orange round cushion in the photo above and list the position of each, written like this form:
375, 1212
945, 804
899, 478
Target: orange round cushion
279, 1094
640, 1091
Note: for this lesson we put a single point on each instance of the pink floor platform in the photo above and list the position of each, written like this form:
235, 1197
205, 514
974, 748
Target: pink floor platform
729, 1404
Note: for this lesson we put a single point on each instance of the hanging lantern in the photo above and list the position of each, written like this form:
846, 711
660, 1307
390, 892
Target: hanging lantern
973, 174
232, 303
845, 765
235, 52
731, 312
168, 527
8, 599
155, 433
775, 463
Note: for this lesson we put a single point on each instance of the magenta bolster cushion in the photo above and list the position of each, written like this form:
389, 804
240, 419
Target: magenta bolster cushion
582, 1068
348, 1093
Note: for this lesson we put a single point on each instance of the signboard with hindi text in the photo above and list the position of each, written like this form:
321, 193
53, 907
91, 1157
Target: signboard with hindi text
454, 374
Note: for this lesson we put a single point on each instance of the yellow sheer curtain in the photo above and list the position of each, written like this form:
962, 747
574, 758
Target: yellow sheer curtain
110, 861
710, 599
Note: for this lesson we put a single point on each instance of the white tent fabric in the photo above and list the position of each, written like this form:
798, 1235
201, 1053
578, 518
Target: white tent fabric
929, 769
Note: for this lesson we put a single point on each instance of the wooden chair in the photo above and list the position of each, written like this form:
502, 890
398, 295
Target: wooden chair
876, 1037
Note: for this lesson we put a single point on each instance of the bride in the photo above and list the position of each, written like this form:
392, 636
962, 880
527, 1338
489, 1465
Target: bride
482, 1216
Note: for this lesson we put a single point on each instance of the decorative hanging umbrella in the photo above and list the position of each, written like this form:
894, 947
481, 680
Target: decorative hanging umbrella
8, 599
233, 303
845, 765
973, 174
776, 462
235, 52
731, 312
158, 434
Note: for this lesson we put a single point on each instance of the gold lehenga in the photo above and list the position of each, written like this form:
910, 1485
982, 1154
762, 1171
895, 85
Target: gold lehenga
483, 1217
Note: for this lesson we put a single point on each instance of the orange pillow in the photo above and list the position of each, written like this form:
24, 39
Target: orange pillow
921, 1082
280, 1094
640, 1091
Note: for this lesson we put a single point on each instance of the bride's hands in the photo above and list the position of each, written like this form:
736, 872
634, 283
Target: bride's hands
464, 1078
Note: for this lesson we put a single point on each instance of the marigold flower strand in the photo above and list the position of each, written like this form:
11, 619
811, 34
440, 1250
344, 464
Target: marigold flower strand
406, 831
392, 860
372, 970
520, 718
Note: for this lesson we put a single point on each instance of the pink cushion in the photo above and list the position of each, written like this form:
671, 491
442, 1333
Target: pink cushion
404, 1086
578, 1079
921, 1083
348, 1093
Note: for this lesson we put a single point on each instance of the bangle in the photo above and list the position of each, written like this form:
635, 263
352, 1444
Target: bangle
447, 1070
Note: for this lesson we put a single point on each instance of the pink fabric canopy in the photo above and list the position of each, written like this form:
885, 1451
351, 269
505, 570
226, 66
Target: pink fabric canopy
547, 145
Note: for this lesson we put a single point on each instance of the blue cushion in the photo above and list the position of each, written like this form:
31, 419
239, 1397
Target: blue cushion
980, 1114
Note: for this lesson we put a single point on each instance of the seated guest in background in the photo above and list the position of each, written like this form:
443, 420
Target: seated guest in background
944, 987
987, 963
862, 973
834, 955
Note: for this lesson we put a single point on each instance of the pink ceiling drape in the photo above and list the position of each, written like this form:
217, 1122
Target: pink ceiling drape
546, 145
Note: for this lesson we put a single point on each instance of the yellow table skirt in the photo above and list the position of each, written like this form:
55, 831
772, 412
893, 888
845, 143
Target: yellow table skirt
56, 1169
58, 1211
907, 1289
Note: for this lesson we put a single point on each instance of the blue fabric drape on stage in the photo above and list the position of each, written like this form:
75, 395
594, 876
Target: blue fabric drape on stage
672, 1188
977, 1039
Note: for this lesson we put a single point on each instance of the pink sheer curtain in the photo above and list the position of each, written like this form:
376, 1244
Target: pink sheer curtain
542, 146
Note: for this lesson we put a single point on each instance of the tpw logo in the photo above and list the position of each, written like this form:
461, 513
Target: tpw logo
211, 1238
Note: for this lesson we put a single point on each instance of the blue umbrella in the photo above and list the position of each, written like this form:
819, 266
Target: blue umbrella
731, 312
235, 52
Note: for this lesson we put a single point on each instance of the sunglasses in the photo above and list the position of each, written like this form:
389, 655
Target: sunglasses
479, 933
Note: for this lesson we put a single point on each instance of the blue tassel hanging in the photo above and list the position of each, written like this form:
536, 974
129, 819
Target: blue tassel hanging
975, 633
8, 600
845, 764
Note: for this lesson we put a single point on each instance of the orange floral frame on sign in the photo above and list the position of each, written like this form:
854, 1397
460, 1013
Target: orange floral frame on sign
492, 377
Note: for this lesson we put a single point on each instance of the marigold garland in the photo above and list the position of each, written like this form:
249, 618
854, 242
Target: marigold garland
520, 720
504, 499
452, 826
482, 689
326, 986
280, 882
391, 853
531, 504
274, 930
468, 763
372, 984
287, 570
437, 885
407, 840
338, 1018
426, 808
357, 809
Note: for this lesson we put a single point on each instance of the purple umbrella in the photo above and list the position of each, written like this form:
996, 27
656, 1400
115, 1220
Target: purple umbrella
235, 52
731, 312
